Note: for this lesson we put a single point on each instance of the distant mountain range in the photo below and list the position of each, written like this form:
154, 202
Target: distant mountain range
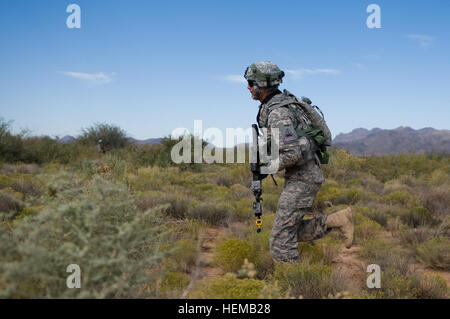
149, 141
378, 141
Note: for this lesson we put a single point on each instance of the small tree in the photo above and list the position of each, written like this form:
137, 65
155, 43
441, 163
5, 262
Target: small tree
11, 146
112, 136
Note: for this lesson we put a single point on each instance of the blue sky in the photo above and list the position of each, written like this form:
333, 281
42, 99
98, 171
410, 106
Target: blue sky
153, 66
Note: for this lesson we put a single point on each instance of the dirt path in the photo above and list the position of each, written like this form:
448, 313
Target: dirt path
353, 268
205, 266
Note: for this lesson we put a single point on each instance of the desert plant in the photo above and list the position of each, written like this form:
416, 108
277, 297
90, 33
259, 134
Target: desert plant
231, 253
308, 280
95, 226
212, 213
230, 287
111, 135
183, 253
435, 253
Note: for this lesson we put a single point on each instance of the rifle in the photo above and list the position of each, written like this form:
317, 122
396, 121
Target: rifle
257, 180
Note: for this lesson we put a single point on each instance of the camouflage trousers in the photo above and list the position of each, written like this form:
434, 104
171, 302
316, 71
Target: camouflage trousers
289, 226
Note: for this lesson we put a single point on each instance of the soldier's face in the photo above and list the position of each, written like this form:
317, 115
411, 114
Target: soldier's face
252, 91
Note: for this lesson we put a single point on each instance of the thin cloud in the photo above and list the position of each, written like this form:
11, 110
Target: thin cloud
235, 78
360, 66
301, 73
423, 40
90, 77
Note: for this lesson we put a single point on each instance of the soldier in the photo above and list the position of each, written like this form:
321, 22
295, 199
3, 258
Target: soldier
101, 147
303, 175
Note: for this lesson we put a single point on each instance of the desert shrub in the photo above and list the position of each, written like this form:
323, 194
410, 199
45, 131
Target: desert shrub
439, 177
379, 216
330, 247
393, 226
11, 146
388, 167
308, 281
435, 253
212, 213
338, 196
173, 283
176, 206
20, 168
31, 210
183, 253
241, 174
416, 216
112, 136
366, 229
41, 149
183, 229
398, 198
270, 202
239, 192
394, 285
260, 244
436, 200
148, 178
26, 185
10, 205
230, 287
243, 210
222, 179
342, 165
416, 236
230, 254
95, 226
378, 252
432, 287
310, 253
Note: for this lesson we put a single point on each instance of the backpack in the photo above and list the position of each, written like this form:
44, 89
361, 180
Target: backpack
319, 131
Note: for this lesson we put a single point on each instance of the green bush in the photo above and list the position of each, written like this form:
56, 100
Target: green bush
173, 283
377, 251
435, 253
10, 205
96, 226
184, 254
310, 253
11, 146
416, 216
213, 213
394, 285
432, 287
398, 198
112, 136
243, 210
413, 237
230, 254
308, 280
176, 206
366, 229
263, 261
230, 287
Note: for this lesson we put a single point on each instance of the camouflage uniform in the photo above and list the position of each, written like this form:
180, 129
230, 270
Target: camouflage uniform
303, 177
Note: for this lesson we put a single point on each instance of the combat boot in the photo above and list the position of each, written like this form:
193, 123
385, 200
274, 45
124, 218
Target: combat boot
343, 220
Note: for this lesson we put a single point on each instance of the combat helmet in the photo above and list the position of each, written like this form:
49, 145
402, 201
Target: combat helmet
264, 74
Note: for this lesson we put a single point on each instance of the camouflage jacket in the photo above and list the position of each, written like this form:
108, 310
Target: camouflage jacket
294, 151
